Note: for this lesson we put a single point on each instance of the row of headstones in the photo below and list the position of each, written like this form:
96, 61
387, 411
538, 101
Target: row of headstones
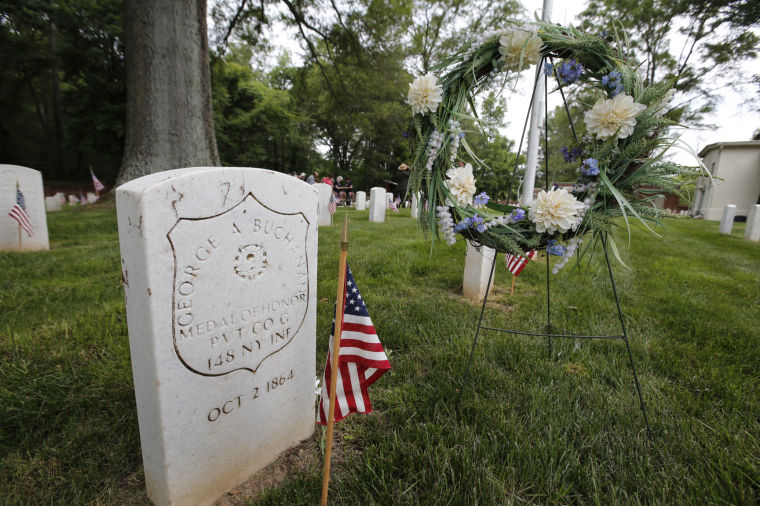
57, 201
379, 201
751, 231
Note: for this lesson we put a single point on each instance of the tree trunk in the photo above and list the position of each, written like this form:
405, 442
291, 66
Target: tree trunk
170, 122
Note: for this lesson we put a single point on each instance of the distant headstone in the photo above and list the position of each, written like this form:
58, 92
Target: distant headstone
377, 204
659, 201
219, 267
361, 201
92, 198
23, 224
53, 204
389, 197
752, 231
324, 192
61, 196
477, 269
73, 199
727, 221
415, 206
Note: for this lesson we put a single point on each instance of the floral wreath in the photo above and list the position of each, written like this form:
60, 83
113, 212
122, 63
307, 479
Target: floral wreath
622, 151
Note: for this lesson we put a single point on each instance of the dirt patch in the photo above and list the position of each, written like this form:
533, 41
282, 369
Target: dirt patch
299, 459
304, 458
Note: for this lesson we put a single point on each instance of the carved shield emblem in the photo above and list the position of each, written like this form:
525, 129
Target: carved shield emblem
241, 286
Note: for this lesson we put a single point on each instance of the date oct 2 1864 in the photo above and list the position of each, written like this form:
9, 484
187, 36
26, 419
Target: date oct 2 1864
237, 402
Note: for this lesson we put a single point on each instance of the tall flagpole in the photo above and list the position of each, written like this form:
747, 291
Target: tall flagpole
335, 353
20, 246
536, 115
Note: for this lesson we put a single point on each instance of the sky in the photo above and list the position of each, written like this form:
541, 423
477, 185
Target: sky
732, 120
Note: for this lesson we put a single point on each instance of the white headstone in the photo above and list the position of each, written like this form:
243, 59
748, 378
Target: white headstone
377, 204
33, 235
53, 204
659, 201
325, 193
219, 268
73, 199
752, 231
61, 196
361, 201
92, 198
477, 269
415, 205
727, 221
389, 197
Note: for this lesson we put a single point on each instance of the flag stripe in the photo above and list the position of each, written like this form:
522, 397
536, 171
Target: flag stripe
356, 387
20, 215
516, 263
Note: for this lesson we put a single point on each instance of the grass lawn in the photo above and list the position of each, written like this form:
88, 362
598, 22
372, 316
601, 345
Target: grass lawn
533, 428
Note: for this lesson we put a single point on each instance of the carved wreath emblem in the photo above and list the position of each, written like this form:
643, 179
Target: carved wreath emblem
251, 262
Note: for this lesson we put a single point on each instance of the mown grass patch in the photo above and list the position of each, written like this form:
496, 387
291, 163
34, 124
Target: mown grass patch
532, 427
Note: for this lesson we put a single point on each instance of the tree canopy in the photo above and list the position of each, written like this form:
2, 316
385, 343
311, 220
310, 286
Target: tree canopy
341, 108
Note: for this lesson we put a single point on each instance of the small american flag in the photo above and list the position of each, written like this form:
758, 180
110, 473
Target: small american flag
18, 213
333, 205
96, 182
394, 205
361, 362
516, 263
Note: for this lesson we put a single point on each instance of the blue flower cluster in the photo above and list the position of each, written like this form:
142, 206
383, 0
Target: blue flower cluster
569, 71
481, 199
475, 222
548, 69
556, 249
518, 214
612, 81
570, 155
590, 167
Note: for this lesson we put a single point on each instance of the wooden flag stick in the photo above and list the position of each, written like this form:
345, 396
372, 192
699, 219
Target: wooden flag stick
512, 292
335, 355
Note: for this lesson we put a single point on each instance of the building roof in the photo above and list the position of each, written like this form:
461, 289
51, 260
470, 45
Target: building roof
723, 145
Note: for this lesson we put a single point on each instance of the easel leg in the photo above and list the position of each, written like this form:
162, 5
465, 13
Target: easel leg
548, 308
625, 335
477, 332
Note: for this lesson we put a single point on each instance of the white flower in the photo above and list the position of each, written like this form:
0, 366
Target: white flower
446, 225
461, 184
555, 211
520, 44
613, 116
424, 94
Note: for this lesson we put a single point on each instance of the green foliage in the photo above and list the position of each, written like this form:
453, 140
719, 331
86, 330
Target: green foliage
531, 428
717, 36
62, 93
257, 125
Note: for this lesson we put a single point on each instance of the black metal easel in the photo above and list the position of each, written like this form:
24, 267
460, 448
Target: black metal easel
549, 334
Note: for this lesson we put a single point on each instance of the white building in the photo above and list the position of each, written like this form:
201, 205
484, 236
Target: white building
735, 167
